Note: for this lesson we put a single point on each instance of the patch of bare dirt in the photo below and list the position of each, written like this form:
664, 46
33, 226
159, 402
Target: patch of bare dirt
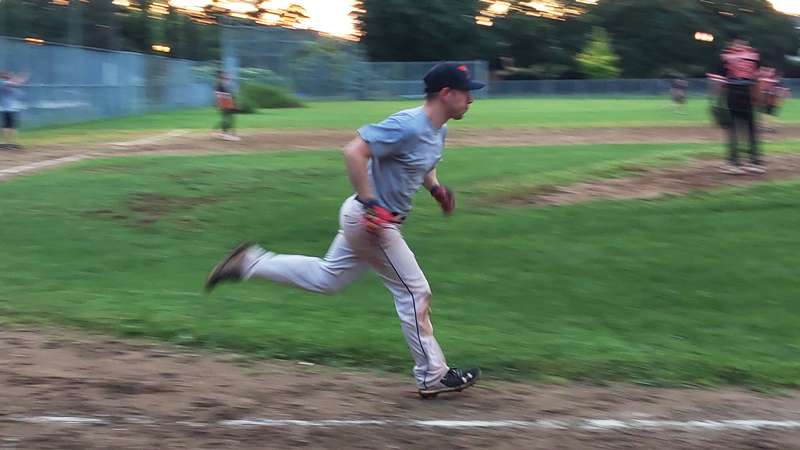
156, 205
152, 396
146, 208
649, 183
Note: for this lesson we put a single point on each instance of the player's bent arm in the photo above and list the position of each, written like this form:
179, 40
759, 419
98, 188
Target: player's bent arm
356, 156
430, 179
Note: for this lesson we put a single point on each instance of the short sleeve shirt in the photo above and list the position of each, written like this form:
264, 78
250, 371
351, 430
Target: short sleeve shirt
405, 147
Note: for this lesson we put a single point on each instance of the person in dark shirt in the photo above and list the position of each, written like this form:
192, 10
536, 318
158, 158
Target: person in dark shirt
741, 69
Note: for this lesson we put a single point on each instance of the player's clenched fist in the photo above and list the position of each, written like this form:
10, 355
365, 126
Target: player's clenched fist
445, 198
376, 217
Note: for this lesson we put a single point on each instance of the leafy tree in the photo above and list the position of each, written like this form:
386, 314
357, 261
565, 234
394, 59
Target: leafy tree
534, 47
399, 30
598, 60
657, 36
135, 31
100, 27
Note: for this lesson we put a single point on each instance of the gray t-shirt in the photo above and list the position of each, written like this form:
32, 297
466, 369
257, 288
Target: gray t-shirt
405, 147
9, 97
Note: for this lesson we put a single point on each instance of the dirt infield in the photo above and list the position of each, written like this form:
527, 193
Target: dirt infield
63, 390
698, 175
182, 141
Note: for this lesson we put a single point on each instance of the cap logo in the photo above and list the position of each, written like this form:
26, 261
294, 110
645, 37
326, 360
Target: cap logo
463, 68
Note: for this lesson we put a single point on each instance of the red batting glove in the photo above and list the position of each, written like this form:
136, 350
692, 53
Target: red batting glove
376, 217
445, 198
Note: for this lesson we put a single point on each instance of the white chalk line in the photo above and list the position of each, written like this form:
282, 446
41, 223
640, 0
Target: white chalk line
563, 424
18, 170
38, 165
151, 139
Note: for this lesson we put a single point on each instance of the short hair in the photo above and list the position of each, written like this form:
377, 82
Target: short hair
431, 95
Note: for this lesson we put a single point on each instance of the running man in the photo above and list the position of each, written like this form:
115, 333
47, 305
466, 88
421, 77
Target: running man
387, 163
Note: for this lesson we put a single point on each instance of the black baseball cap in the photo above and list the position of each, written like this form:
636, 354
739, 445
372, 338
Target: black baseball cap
454, 76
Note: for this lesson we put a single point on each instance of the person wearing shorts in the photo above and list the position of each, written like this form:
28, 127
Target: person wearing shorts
10, 106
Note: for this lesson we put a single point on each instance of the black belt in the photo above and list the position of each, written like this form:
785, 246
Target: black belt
397, 215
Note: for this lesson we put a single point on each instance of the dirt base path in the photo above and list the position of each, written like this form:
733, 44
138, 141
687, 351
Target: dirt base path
699, 175
200, 141
63, 390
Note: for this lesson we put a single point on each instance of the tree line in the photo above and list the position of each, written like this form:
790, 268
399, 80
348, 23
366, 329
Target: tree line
520, 39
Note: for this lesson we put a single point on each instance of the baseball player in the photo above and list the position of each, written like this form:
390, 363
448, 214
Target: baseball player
387, 163
677, 91
741, 65
227, 107
10, 107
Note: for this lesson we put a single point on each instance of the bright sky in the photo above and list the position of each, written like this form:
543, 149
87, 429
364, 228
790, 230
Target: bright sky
328, 16
331, 16
787, 6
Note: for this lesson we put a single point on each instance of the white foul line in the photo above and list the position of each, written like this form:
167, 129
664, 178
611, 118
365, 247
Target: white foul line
151, 139
17, 170
565, 424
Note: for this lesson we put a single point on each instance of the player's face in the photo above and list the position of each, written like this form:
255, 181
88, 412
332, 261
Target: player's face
457, 103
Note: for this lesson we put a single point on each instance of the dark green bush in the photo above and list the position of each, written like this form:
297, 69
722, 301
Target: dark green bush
256, 95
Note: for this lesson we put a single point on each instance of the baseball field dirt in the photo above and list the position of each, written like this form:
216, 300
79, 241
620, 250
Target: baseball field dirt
68, 390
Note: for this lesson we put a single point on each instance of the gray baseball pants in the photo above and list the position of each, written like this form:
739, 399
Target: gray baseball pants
353, 251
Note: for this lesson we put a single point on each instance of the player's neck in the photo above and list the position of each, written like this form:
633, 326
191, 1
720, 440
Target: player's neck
436, 115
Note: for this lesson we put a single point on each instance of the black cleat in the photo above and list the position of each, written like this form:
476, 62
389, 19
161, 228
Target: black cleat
229, 269
455, 380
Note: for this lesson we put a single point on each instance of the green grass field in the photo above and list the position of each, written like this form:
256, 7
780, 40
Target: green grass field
691, 290
561, 112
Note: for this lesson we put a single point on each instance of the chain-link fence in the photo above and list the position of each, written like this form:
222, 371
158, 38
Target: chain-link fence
317, 67
70, 84
404, 79
602, 88
296, 60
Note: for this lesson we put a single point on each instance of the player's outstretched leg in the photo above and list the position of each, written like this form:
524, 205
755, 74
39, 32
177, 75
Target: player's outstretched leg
455, 380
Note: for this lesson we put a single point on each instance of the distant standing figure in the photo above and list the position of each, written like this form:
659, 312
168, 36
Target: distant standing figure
226, 106
10, 106
678, 93
741, 68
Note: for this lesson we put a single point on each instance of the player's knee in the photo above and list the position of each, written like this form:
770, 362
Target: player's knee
331, 286
421, 293
414, 305
424, 295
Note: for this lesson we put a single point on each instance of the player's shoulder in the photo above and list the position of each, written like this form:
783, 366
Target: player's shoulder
408, 116
409, 121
